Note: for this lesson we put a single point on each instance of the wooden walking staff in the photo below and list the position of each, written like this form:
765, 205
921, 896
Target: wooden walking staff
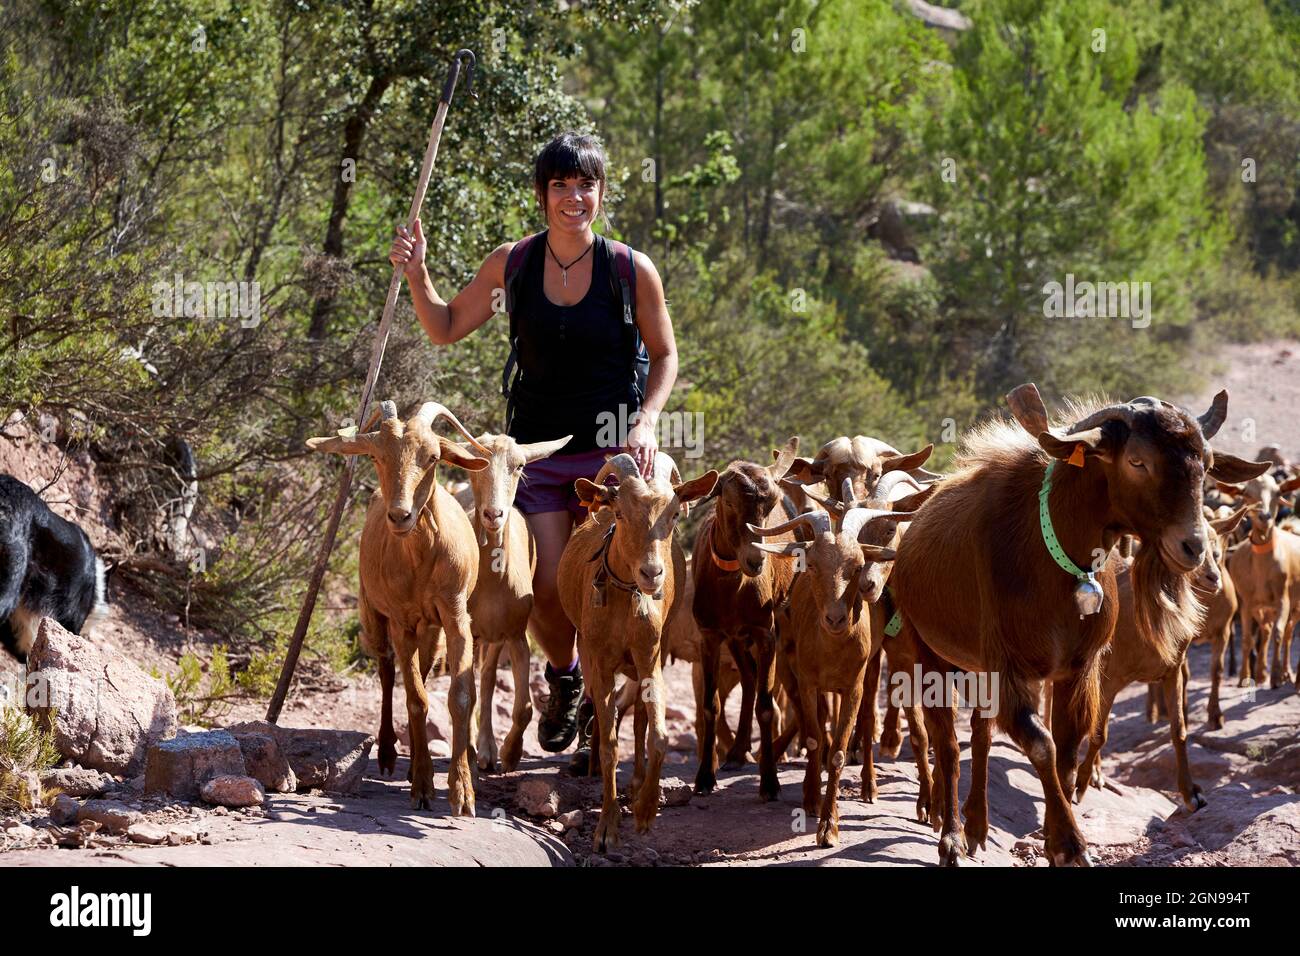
376, 357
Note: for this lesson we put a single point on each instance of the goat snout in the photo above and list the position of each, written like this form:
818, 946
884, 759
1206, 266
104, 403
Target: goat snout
836, 620
1194, 548
400, 519
651, 578
494, 518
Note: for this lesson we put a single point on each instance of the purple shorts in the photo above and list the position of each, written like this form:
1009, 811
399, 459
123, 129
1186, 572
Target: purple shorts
547, 484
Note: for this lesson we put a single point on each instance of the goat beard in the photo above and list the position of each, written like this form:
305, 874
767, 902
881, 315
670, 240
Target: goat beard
1168, 614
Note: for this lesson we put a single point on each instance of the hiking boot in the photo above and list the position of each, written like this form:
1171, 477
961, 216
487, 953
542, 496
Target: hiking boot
580, 764
558, 723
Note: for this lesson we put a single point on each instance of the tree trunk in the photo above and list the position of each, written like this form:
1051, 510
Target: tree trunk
354, 134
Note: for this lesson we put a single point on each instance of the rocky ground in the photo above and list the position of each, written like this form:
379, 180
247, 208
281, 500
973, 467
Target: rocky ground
1249, 771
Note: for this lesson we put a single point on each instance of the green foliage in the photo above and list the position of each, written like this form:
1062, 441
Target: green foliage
202, 689
25, 749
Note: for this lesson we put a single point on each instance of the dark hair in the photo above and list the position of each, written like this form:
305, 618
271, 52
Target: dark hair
569, 154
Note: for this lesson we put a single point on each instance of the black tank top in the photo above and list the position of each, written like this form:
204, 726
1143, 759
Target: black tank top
573, 360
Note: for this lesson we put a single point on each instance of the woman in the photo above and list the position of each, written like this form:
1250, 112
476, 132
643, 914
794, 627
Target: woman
568, 319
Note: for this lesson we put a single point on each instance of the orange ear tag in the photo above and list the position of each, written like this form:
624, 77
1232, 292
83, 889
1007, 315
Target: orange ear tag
1076, 456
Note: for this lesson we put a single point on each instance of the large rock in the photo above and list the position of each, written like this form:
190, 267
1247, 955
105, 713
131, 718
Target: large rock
103, 710
263, 758
181, 766
332, 760
112, 816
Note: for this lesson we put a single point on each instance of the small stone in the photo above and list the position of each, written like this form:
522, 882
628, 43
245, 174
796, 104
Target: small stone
220, 812
229, 790
571, 820
645, 856
112, 816
64, 810
538, 798
20, 832
674, 793
1030, 845
439, 748
179, 837
149, 834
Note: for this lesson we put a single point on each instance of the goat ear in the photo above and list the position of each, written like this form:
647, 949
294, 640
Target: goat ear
454, 454
908, 462
696, 487
1231, 491
1290, 485
914, 500
1228, 525
786, 549
1092, 440
338, 445
588, 491
1027, 405
873, 552
805, 470
782, 459
1232, 469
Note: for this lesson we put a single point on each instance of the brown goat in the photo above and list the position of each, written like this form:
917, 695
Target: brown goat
736, 596
1133, 659
619, 578
1266, 571
834, 639
977, 586
503, 597
418, 567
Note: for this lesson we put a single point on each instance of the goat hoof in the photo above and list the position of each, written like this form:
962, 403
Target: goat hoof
387, 760
1195, 801
828, 830
735, 761
869, 791
605, 837
704, 783
951, 849
769, 789
1215, 721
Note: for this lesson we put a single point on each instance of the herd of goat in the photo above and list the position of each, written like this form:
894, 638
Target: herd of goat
807, 569
1066, 557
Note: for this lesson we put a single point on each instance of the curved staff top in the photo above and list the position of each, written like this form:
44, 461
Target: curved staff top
572, 363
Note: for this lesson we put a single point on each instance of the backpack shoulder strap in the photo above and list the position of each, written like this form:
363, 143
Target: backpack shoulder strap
514, 270
623, 274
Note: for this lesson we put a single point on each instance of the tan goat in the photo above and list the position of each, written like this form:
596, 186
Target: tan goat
619, 581
833, 640
1131, 658
418, 567
1266, 571
503, 597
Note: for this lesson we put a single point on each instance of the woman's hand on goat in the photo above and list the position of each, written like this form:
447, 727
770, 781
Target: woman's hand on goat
408, 250
642, 445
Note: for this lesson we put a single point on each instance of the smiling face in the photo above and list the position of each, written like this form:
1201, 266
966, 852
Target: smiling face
572, 203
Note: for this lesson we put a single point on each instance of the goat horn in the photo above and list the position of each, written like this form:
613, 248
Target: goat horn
1123, 413
622, 464
666, 468
430, 411
830, 504
889, 481
388, 409
1214, 416
819, 522
846, 490
857, 518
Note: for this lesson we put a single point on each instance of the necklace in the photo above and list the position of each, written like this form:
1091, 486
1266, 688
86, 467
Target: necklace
564, 269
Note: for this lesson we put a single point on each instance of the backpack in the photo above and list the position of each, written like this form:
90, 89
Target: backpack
622, 272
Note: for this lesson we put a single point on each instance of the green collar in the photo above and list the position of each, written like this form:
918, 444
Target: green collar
1049, 534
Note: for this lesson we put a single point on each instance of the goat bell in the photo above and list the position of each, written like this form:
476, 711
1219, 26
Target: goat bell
1088, 596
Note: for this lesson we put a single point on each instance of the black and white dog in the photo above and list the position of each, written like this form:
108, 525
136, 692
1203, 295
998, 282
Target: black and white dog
47, 569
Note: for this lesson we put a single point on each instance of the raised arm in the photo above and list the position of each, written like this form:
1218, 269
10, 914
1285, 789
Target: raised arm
447, 322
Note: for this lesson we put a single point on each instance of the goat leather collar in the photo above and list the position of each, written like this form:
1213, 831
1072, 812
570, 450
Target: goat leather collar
1265, 548
725, 564
896, 621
